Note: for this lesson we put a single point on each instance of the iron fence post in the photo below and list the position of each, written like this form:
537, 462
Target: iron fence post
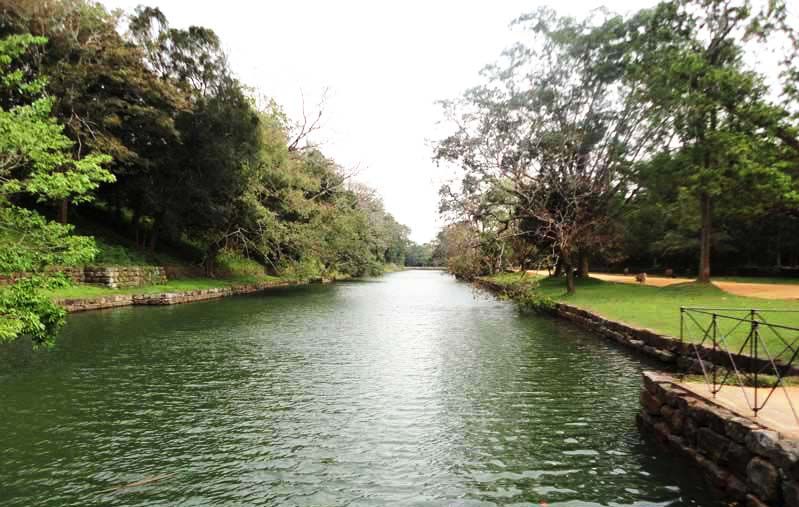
755, 339
682, 324
715, 351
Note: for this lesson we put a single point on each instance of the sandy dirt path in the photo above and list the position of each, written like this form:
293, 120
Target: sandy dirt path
755, 290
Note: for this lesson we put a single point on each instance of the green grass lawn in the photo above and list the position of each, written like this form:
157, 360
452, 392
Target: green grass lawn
659, 308
86, 291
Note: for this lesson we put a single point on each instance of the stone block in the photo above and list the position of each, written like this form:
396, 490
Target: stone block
763, 479
644, 422
737, 458
790, 493
638, 344
712, 444
662, 355
715, 475
737, 428
786, 456
652, 381
704, 415
689, 431
661, 432
735, 489
677, 399
762, 442
676, 422
684, 362
650, 403
680, 446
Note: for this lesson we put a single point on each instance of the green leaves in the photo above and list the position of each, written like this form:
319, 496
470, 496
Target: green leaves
26, 310
35, 155
36, 159
728, 141
32, 245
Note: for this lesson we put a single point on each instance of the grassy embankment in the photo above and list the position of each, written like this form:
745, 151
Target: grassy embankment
658, 309
115, 250
233, 270
78, 291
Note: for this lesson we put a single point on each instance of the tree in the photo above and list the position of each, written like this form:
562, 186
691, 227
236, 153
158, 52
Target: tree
36, 159
34, 153
105, 96
688, 57
193, 57
220, 142
461, 250
549, 145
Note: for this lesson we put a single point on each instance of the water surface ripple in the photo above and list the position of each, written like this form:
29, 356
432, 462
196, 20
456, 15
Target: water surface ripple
411, 389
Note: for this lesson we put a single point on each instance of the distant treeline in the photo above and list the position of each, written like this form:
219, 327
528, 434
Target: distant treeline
425, 255
647, 141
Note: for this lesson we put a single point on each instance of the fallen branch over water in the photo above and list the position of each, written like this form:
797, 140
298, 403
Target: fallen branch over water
143, 482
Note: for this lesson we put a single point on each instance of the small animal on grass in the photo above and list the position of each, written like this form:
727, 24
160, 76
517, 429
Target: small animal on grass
640, 278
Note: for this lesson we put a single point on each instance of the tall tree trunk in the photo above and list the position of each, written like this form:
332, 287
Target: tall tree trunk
704, 239
558, 267
583, 260
209, 263
140, 238
153, 237
63, 211
569, 277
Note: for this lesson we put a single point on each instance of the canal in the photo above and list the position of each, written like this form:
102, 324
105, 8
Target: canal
410, 389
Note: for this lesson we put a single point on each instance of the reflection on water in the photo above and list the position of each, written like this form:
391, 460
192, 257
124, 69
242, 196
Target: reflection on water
411, 389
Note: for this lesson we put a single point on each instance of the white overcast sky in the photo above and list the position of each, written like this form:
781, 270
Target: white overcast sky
385, 65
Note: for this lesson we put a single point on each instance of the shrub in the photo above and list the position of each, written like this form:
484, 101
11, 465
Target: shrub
308, 268
535, 301
233, 264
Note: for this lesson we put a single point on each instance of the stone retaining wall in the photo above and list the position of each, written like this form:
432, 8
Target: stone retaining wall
75, 274
665, 348
742, 460
117, 277
167, 298
114, 277
8, 279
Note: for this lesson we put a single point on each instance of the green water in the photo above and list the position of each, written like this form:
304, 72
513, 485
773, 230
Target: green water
412, 389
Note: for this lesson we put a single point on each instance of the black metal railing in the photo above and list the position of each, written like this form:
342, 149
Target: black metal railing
733, 346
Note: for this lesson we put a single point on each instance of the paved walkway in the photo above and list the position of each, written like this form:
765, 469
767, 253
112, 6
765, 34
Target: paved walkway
776, 414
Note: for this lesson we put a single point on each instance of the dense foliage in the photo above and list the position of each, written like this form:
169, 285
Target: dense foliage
146, 130
646, 142
36, 163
